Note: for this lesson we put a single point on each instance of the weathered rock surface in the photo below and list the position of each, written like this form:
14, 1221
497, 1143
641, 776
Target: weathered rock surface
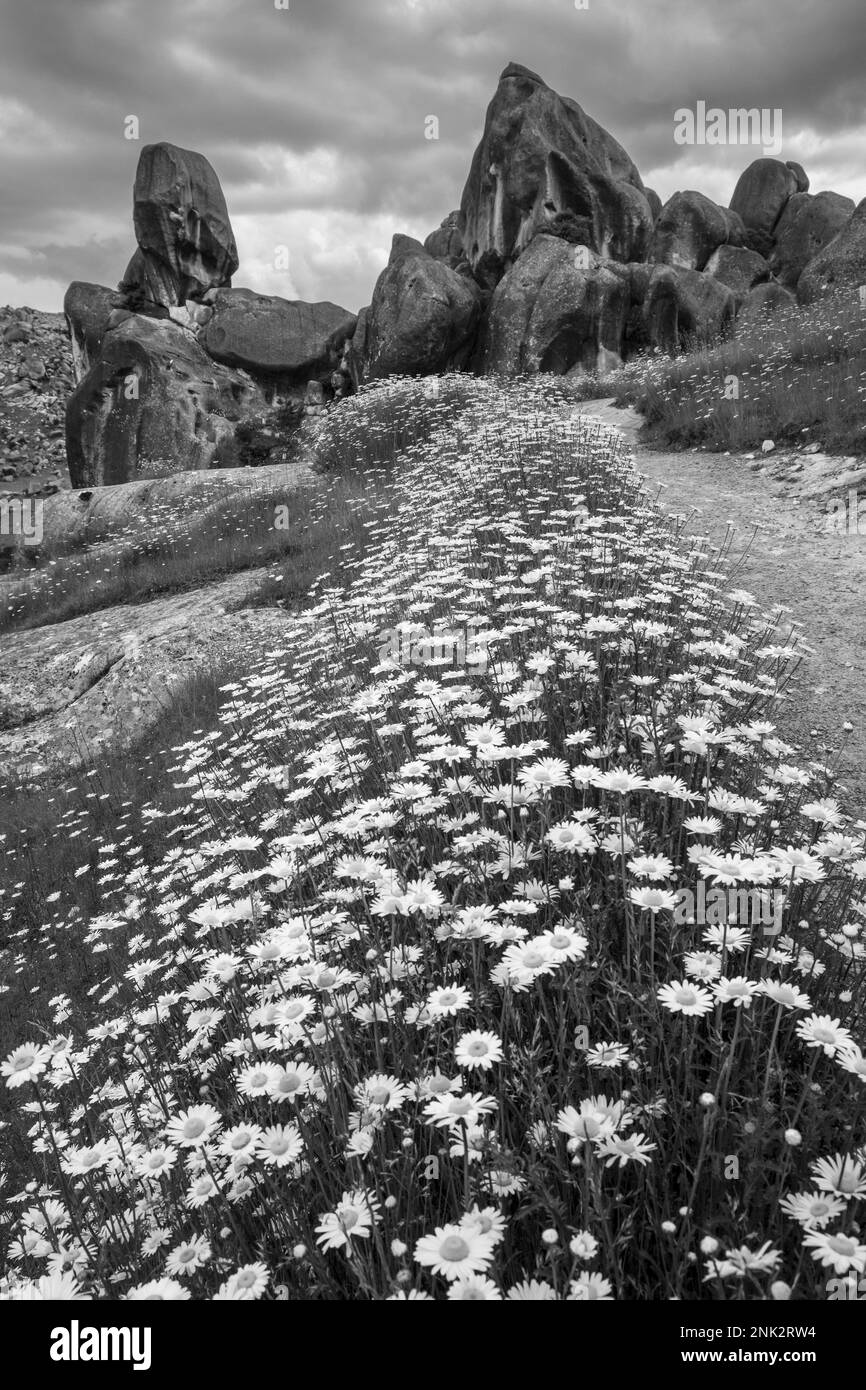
186, 244
808, 222
281, 337
77, 689
540, 154
690, 228
128, 510
685, 304
423, 317
88, 309
446, 243
152, 403
553, 313
738, 268
841, 265
762, 191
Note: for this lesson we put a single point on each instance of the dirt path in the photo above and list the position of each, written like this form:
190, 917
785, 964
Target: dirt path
778, 510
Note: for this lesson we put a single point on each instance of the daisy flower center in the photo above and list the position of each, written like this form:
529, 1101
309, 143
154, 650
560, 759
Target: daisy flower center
454, 1248
842, 1245
193, 1128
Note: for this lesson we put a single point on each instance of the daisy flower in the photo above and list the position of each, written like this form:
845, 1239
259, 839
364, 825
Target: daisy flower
812, 1208
246, 1284
737, 990
820, 1030
478, 1049
531, 1291
622, 1149
450, 1111
851, 1059
159, 1291
488, 1220
833, 1249
25, 1064
448, 1001
381, 1092
789, 996
194, 1127
290, 1082
185, 1259
279, 1145
597, 1118
352, 1219
587, 1288
684, 998
476, 1288
841, 1174
607, 1055
455, 1252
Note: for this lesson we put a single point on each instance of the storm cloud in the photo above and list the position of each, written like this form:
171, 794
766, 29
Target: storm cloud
314, 115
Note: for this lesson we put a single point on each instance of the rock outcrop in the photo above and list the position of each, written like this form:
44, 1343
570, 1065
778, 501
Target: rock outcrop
553, 313
423, 318
271, 336
690, 228
446, 243
738, 268
186, 245
762, 301
841, 265
88, 309
540, 155
683, 305
152, 403
808, 222
762, 191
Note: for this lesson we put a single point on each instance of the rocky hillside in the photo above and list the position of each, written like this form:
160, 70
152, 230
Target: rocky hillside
559, 260
35, 383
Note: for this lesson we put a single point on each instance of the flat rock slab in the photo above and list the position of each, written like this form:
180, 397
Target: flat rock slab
98, 683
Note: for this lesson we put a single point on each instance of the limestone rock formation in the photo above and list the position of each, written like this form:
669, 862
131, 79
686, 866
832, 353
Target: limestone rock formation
446, 243
423, 317
808, 222
683, 304
539, 155
762, 191
738, 268
185, 241
152, 403
690, 228
553, 312
282, 337
88, 309
841, 265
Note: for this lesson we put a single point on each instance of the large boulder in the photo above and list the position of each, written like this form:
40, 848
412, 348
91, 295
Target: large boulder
690, 228
762, 302
446, 243
276, 337
841, 265
185, 241
88, 309
808, 222
681, 306
152, 403
557, 310
423, 318
738, 268
540, 154
762, 191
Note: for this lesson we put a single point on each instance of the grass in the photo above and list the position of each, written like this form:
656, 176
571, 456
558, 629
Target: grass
400, 1002
796, 377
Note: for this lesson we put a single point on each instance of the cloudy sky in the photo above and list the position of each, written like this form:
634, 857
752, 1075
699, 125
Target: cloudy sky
314, 114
